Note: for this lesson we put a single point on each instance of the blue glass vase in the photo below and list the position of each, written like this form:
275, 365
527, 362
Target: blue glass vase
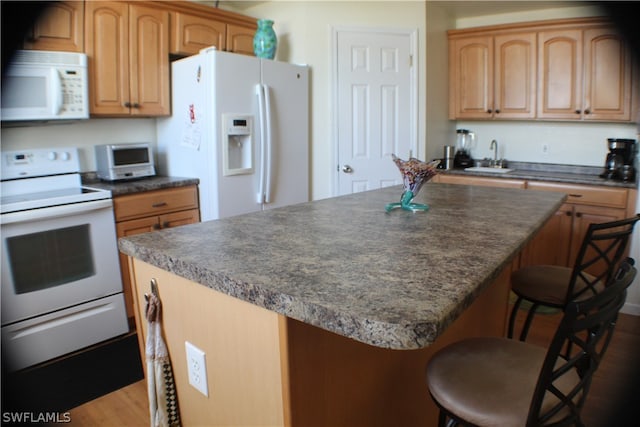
265, 41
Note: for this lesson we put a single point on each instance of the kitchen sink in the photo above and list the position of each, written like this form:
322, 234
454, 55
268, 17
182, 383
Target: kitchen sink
488, 169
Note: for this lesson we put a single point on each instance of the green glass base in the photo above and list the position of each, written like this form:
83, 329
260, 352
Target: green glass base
413, 207
405, 203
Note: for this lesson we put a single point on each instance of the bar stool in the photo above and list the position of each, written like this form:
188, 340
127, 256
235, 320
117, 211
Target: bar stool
504, 382
554, 286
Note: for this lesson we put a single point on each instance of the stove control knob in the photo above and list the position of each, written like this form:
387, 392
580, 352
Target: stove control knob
53, 155
65, 156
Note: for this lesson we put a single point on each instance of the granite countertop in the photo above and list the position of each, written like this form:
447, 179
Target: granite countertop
121, 188
570, 174
393, 280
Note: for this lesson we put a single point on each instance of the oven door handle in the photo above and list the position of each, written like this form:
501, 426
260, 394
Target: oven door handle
55, 211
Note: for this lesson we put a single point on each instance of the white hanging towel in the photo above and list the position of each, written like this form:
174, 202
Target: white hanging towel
163, 398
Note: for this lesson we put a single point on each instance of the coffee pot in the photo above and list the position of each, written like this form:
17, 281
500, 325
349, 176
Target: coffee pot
465, 141
619, 164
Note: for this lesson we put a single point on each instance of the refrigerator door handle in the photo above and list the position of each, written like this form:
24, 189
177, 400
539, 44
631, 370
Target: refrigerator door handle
261, 113
269, 144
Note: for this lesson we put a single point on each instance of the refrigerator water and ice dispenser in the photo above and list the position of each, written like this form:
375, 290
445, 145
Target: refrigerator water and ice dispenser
237, 145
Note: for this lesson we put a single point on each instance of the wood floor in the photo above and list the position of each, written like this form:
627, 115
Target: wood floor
609, 401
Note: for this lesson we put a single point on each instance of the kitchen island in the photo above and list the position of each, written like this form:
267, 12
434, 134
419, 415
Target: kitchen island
325, 313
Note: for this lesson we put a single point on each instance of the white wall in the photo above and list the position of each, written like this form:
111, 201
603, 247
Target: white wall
440, 130
83, 134
304, 34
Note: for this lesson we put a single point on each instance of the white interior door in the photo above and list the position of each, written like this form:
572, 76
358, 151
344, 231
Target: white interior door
375, 108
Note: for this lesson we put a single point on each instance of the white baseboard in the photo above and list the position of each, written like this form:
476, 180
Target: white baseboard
632, 309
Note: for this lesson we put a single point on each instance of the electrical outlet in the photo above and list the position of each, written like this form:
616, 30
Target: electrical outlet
545, 149
197, 368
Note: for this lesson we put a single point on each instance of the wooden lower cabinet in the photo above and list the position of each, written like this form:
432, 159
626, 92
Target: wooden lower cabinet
487, 182
267, 369
151, 211
551, 244
558, 242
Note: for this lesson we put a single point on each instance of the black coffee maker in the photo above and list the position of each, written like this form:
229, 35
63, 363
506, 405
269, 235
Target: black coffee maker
620, 162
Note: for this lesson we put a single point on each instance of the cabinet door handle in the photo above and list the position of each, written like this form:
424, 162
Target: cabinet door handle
159, 205
136, 105
156, 226
498, 111
568, 213
578, 214
587, 111
489, 111
166, 224
578, 111
127, 104
575, 195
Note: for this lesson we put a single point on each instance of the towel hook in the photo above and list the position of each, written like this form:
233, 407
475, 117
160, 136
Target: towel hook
154, 287
154, 290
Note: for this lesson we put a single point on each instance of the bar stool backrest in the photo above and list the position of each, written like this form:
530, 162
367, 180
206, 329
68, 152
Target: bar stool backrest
587, 327
599, 255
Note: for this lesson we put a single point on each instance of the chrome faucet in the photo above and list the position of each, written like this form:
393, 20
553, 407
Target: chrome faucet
494, 147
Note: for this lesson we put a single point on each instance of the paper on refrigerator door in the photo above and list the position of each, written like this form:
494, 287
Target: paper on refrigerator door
191, 131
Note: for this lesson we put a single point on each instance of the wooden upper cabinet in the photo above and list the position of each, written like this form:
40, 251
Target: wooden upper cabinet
515, 76
560, 70
149, 61
493, 77
471, 77
240, 39
190, 33
128, 51
585, 75
107, 48
195, 26
607, 77
60, 27
571, 69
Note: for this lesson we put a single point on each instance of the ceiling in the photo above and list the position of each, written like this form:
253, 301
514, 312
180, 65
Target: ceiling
457, 8
468, 9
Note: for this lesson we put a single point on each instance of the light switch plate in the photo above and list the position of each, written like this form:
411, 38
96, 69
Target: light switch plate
197, 368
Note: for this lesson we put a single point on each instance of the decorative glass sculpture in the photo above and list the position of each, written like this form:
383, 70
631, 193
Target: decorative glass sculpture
265, 41
414, 173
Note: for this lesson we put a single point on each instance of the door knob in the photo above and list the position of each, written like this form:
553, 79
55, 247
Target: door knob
347, 169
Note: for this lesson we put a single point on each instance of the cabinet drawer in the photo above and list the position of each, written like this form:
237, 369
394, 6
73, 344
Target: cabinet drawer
586, 195
155, 202
175, 219
476, 180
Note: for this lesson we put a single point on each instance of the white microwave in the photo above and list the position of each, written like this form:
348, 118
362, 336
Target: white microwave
116, 162
43, 85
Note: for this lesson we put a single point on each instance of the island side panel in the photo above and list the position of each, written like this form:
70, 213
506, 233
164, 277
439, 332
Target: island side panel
336, 381
244, 358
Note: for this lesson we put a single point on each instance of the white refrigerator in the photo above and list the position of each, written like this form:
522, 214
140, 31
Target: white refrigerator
240, 125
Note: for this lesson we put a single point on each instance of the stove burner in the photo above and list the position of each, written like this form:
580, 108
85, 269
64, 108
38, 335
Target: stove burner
40, 178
